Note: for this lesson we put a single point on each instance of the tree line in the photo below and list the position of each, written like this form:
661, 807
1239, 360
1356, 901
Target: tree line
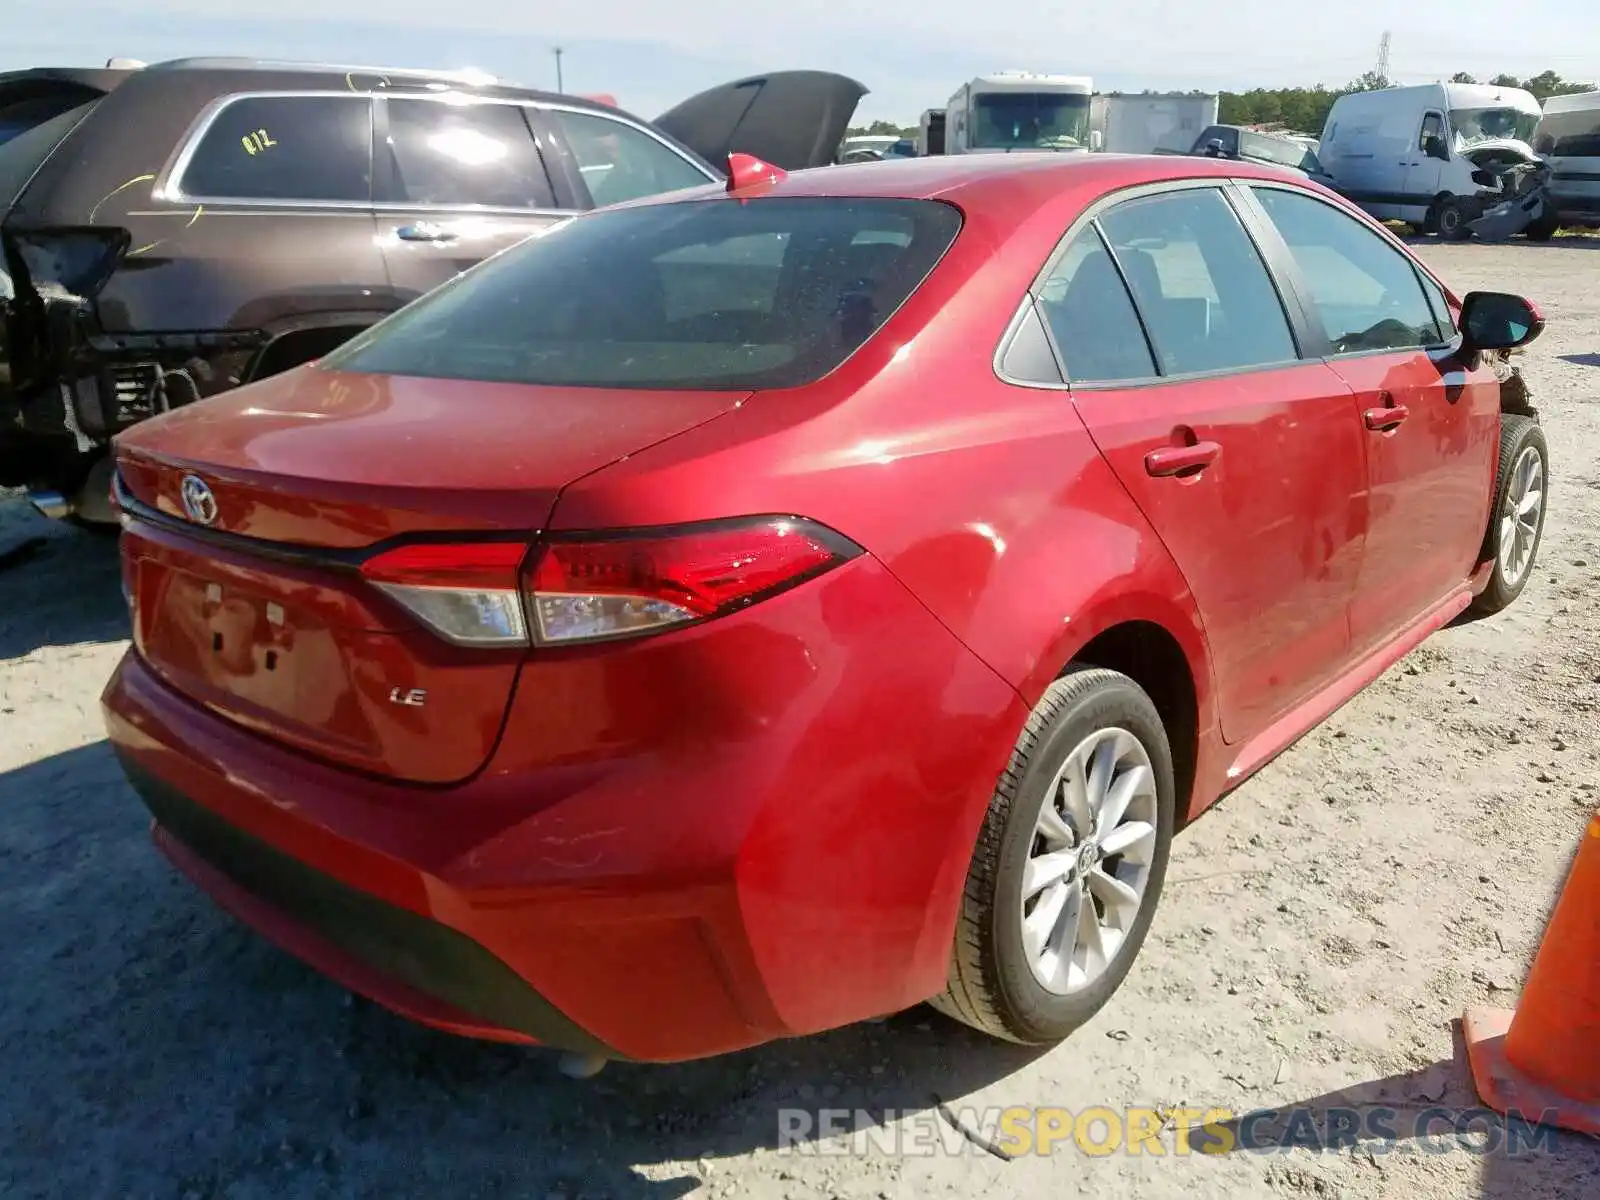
1305, 109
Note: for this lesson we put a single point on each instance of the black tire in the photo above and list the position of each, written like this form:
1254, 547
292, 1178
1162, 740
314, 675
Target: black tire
992, 987
1450, 217
1545, 228
1518, 434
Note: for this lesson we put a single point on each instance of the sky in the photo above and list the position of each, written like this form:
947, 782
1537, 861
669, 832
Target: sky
911, 56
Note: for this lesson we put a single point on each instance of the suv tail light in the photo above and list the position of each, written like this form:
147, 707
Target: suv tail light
602, 586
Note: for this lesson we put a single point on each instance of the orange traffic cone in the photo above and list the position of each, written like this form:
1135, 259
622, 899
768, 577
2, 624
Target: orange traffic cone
1542, 1061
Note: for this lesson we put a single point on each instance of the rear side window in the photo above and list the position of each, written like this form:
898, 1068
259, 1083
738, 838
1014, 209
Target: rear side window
285, 148
619, 162
1091, 318
1366, 293
449, 155
22, 112
25, 144
712, 295
1199, 283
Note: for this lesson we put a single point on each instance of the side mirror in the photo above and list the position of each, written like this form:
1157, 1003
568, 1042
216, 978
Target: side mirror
1097, 140
1434, 147
1498, 321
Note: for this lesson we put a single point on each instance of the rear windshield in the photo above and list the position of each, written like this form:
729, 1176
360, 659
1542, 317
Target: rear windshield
30, 130
711, 294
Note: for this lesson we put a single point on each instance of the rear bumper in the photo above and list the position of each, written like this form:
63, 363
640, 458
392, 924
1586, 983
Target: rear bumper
784, 855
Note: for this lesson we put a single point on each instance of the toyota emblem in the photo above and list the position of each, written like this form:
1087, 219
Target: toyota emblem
198, 501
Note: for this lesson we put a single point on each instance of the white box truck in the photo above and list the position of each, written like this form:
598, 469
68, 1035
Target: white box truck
1152, 122
1421, 154
1019, 110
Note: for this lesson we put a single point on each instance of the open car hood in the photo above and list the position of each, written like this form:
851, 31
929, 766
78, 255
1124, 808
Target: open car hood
791, 119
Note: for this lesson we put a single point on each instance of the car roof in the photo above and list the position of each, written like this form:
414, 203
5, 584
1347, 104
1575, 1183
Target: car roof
272, 74
88, 77
1017, 183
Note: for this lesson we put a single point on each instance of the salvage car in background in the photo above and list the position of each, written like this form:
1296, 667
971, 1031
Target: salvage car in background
174, 230
1568, 139
1249, 145
1429, 155
807, 597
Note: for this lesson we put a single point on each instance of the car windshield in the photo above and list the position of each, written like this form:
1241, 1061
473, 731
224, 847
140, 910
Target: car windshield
711, 294
1476, 125
1030, 120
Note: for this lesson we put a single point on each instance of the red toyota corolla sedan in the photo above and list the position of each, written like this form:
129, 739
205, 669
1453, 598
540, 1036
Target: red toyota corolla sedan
742, 613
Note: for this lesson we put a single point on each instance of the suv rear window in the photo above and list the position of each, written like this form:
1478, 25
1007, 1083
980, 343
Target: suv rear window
697, 295
28, 136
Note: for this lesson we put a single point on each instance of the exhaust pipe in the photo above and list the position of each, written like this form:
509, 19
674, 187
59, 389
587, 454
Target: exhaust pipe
51, 504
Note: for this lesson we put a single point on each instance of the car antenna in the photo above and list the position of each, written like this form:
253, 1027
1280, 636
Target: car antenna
746, 170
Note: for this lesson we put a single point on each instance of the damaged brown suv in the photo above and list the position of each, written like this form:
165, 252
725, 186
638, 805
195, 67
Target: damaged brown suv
174, 230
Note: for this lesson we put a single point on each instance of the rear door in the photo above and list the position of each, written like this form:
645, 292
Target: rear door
264, 218
455, 183
1429, 425
1244, 458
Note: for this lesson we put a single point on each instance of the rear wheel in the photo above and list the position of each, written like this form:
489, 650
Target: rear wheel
1069, 864
1516, 522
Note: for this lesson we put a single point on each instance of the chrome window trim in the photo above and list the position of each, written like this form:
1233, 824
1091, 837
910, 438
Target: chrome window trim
1091, 215
1385, 236
168, 185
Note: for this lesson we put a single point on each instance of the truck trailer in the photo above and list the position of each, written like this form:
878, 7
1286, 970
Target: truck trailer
1151, 122
1019, 110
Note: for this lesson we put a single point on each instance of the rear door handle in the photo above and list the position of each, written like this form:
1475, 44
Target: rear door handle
1176, 460
424, 231
1388, 417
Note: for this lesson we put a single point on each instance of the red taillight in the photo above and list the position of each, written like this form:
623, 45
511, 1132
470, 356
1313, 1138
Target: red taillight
583, 589
466, 592
601, 586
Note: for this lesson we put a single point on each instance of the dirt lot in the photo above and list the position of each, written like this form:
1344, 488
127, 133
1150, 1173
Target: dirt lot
1322, 930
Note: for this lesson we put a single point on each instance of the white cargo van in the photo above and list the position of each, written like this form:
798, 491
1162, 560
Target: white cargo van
1019, 110
1412, 153
1568, 139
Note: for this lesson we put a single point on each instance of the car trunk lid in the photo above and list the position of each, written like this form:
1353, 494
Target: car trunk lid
253, 603
791, 119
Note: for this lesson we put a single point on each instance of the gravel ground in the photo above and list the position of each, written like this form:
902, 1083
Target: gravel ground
1322, 930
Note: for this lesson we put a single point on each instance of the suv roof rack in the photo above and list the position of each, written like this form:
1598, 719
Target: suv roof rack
470, 76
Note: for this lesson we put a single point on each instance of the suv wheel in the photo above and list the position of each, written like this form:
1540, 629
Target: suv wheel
1516, 522
1069, 863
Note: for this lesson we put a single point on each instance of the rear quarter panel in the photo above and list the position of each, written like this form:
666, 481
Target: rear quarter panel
987, 500
193, 267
